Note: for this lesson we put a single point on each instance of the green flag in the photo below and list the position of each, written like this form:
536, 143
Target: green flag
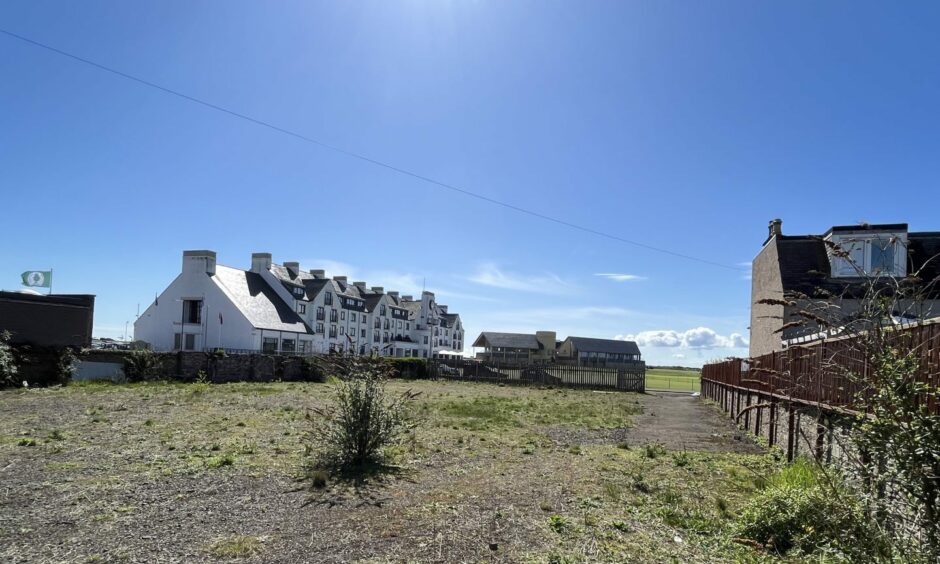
38, 278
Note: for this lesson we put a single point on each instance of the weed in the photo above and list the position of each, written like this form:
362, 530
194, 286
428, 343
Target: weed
574, 449
681, 459
621, 526
26, 442
558, 524
613, 491
318, 479
56, 435
653, 451
227, 459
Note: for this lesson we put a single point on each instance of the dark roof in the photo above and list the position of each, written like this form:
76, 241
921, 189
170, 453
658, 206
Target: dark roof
805, 268
507, 340
258, 301
610, 346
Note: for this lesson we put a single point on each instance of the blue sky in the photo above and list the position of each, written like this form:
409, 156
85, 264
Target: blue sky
683, 125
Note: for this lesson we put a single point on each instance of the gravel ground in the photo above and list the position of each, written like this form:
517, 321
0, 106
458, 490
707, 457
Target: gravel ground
140, 475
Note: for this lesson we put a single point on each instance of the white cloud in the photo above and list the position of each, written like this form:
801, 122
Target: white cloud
620, 277
489, 274
679, 356
697, 338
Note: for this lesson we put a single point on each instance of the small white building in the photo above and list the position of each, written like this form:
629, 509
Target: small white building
281, 308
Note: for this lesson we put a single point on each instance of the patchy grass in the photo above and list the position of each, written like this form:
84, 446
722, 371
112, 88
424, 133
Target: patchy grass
492, 474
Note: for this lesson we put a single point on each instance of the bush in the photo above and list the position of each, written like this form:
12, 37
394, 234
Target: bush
362, 422
414, 368
8, 365
65, 365
799, 510
140, 366
312, 370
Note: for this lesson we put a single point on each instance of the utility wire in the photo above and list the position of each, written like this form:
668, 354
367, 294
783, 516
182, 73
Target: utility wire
365, 158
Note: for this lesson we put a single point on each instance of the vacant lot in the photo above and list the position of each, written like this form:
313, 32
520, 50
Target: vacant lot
676, 380
184, 473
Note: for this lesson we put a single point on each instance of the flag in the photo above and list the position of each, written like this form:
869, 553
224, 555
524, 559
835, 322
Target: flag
156, 300
38, 278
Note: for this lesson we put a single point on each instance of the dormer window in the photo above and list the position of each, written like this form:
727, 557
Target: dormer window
880, 254
298, 291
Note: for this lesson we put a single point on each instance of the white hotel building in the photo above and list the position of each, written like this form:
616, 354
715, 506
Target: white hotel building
283, 309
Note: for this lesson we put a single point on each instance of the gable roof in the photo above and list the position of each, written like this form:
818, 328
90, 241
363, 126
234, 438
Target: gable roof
257, 301
610, 346
507, 340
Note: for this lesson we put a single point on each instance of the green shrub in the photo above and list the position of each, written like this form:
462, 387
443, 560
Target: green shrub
312, 370
363, 420
140, 366
800, 510
8, 364
414, 368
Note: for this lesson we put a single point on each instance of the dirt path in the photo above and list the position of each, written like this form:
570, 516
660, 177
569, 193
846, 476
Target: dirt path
683, 422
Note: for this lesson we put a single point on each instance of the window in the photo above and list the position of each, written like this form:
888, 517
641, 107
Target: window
882, 256
269, 345
375, 337
287, 345
320, 315
333, 316
386, 324
342, 315
192, 311
382, 310
328, 298
305, 346
385, 337
399, 324
319, 327
425, 339
408, 326
342, 330
332, 331
378, 323
301, 308
352, 317
298, 291
363, 333
190, 341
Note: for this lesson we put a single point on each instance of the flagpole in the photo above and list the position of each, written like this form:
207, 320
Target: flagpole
50, 283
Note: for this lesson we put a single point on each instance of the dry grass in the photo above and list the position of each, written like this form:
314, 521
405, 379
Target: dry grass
164, 472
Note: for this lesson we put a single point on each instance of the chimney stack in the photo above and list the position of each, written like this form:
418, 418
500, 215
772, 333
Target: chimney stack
199, 261
378, 289
393, 294
293, 267
260, 261
776, 227
318, 273
408, 298
340, 279
360, 285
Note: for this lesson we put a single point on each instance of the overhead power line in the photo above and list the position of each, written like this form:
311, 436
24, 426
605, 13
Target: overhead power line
365, 158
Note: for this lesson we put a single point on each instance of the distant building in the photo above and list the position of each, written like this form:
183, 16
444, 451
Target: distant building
283, 309
804, 271
610, 353
55, 320
543, 347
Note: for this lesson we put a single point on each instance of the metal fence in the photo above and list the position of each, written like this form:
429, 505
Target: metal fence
629, 379
831, 372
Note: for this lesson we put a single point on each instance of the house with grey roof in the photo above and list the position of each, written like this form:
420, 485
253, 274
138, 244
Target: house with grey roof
526, 348
830, 272
285, 309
